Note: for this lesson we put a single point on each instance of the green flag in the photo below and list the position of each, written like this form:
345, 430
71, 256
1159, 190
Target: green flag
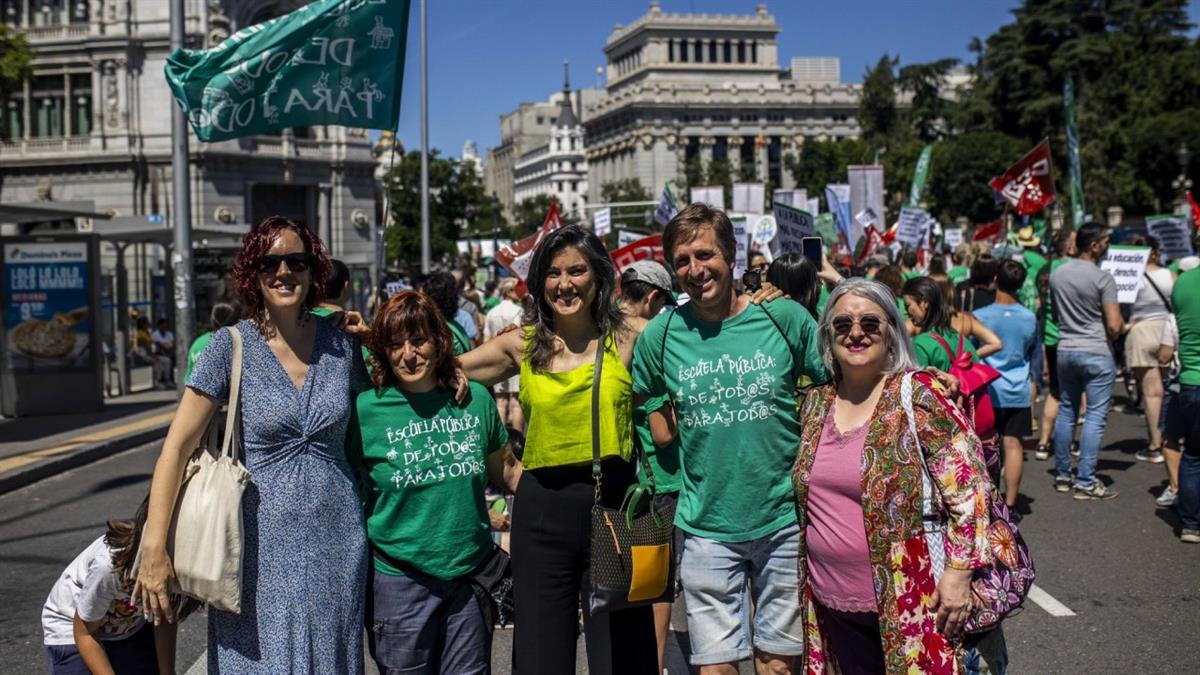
1078, 210
920, 174
827, 229
328, 62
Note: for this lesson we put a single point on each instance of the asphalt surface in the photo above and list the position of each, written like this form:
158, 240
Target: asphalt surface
1117, 565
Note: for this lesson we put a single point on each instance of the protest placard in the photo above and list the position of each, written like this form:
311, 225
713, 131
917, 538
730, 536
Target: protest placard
748, 197
742, 238
602, 221
1126, 264
1173, 233
952, 237
627, 237
914, 227
713, 195
793, 224
642, 249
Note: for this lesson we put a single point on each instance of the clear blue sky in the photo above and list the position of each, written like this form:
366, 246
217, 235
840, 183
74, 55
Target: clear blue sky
487, 56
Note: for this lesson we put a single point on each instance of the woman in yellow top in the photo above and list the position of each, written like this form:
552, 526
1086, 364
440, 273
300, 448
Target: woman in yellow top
575, 312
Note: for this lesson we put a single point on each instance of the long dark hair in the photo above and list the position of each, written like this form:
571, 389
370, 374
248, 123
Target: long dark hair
540, 315
937, 308
123, 538
796, 276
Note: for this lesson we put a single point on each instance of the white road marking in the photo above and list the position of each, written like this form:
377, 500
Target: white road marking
1040, 598
200, 667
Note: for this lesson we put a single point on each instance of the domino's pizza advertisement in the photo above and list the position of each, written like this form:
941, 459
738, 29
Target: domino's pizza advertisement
46, 294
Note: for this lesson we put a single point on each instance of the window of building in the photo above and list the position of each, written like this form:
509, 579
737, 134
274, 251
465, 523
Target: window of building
753, 52
574, 186
81, 104
741, 51
671, 51
13, 126
45, 12
541, 120
712, 51
49, 103
698, 51
558, 186
553, 120
683, 51
728, 47
572, 143
10, 11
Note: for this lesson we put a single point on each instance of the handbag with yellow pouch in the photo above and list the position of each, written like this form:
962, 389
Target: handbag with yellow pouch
632, 556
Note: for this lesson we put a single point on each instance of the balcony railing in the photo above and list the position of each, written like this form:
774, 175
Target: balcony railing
40, 147
71, 31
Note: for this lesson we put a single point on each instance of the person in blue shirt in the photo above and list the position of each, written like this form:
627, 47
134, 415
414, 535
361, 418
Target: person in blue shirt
1017, 328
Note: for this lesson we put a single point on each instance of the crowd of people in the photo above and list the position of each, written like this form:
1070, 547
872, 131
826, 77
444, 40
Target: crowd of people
791, 416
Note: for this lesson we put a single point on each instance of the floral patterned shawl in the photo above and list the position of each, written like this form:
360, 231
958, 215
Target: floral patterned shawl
891, 503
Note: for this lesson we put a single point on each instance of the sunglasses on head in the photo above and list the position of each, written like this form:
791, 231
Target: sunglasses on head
296, 262
869, 323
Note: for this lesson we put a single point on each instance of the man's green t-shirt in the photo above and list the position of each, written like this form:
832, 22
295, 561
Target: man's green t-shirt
911, 274
733, 385
194, 352
664, 462
423, 460
1185, 297
1028, 294
929, 351
958, 274
1049, 327
462, 343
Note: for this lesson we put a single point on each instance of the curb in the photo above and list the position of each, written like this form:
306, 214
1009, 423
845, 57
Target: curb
87, 454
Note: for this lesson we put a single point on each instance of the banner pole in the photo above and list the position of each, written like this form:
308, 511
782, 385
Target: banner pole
181, 219
425, 244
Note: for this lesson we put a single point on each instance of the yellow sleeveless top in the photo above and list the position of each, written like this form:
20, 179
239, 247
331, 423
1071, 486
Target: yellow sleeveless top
558, 412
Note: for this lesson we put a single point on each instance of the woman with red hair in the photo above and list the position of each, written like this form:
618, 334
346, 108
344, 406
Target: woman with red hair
304, 549
424, 460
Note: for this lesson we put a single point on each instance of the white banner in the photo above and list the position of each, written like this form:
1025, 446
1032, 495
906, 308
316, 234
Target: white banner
866, 196
1126, 264
793, 225
1174, 235
914, 227
627, 237
814, 206
741, 236
713, 195
953, 237
748, 197
602, 221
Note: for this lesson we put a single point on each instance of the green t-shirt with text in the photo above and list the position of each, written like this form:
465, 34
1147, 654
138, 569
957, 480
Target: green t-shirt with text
958, 274
733, 386
423, 459
1049, 327
1028, 294
194, 352
1185, 297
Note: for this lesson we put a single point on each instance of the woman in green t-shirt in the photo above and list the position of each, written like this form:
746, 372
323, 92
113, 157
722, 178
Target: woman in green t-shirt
929, 311
424, 460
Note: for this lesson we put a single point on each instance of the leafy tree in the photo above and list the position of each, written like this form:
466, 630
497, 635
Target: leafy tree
926, 82
458, 204
531, 212
16, 64
627, 190
877, 108
961, 169
720, 172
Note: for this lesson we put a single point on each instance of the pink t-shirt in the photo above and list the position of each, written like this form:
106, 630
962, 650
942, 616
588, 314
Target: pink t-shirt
839, 564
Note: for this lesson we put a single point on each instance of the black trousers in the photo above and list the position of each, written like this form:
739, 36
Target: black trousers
551, 525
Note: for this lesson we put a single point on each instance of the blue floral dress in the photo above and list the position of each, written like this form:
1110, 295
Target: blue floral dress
305, 551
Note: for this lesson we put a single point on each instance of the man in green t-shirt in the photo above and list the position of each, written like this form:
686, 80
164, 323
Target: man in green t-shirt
1064, 250
223, 314
1183, 410
730, 367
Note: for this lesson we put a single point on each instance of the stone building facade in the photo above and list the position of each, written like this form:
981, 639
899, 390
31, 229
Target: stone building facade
699, 86
93, 124
558, 167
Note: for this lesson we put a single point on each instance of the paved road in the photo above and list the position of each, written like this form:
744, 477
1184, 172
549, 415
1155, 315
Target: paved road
1118, 566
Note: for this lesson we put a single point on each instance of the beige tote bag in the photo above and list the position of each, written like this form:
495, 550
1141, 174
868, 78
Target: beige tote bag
205, 539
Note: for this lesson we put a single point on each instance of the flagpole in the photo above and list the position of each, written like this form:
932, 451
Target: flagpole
181, 218
425, 249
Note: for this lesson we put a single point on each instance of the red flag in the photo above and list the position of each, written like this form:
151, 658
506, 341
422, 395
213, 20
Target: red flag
647, 247
872, 240
1028, 185
890, 235
988, 230
516, 256
1195, 209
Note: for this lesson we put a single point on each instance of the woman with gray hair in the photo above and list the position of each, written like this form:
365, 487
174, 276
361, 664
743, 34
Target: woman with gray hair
867, 580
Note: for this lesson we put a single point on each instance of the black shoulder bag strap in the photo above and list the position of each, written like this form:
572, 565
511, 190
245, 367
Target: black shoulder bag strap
599, 367
1165, 299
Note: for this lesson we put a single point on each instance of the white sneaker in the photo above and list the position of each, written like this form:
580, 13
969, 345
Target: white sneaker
1167, 497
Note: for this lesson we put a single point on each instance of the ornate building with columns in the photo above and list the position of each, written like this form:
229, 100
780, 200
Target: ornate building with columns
557, 168
93, 124
682, 87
